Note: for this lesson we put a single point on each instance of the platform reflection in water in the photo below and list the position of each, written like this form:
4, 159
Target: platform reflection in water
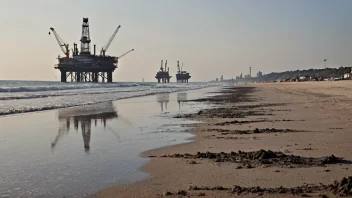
163, 99
181, 97
82, 119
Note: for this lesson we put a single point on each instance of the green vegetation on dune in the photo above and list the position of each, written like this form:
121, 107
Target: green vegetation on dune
314, 73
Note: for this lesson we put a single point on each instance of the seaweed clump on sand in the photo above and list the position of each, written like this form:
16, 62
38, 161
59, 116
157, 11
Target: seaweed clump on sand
239, 190
262, 157
341, 188
230, 95
255, 131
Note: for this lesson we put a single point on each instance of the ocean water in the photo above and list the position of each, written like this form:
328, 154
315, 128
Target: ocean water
76, 151
28, 96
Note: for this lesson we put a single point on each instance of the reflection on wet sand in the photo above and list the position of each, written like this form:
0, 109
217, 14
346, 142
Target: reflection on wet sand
181, 97
163, 99
84, 116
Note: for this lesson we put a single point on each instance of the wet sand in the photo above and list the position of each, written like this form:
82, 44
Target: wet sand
309, 120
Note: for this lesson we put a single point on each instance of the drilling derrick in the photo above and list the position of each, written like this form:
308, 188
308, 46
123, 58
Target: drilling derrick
85, 38
84, 66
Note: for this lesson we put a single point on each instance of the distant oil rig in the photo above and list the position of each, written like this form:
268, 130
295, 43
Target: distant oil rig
181, 76
163, 75
83, 66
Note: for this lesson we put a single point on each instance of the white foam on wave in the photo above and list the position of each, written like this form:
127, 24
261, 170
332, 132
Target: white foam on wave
29, 95
63, 86
47, 97
54, 86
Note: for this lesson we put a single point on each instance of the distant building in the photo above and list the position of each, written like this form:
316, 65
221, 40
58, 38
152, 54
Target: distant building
347, 76
239, 77
222, 78
217, 79
259, 74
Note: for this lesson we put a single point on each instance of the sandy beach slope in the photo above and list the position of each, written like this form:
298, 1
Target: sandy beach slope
311, 120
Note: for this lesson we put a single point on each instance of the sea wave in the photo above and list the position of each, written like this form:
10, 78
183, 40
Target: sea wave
61, 87
56, 94
45, 96
10, 88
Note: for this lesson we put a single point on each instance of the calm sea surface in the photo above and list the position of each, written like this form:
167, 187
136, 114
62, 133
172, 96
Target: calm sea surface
76, 151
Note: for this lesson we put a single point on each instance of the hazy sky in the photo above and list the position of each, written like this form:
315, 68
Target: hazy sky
211, 37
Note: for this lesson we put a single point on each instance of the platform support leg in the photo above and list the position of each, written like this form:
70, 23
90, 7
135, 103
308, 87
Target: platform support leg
78, 77
109, 77
96, 77
63, 76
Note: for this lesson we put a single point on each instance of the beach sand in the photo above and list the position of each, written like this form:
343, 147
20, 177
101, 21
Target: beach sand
314, 119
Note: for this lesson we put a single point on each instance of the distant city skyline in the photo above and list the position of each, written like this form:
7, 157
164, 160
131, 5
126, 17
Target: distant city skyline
211, 38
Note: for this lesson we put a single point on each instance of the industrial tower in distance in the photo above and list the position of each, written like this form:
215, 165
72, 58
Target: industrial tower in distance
163, 75
83, 66
181, 76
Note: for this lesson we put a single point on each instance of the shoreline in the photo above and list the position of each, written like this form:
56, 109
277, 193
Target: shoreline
170, 175
106, 139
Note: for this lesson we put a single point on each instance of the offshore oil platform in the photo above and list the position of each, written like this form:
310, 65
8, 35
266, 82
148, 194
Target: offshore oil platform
83, 66
163, 75
181, 76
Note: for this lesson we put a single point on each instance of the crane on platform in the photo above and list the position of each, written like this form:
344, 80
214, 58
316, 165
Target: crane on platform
165, 65
178, 67
119, 57
64, 47
107, 45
